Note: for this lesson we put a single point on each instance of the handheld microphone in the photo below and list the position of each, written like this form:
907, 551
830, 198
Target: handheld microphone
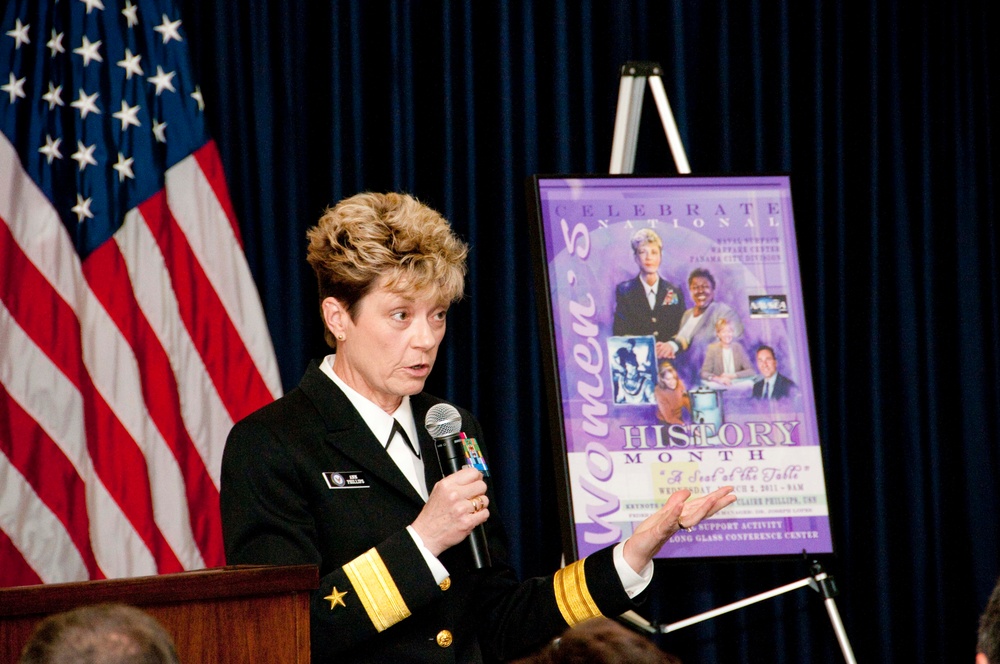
443, 423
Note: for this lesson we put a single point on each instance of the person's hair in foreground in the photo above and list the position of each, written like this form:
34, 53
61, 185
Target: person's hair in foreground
599, 641
389, 240
988, 643
100, 634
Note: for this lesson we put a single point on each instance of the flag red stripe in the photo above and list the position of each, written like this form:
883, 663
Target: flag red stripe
37, 457
108, 276
210, 164
232, 370
53, 326
15, 570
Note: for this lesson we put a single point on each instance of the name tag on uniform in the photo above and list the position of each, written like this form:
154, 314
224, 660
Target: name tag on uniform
346, 480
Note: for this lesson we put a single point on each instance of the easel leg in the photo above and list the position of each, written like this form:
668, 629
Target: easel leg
820, 581
826, 585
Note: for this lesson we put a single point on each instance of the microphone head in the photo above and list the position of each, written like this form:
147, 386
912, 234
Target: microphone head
443, 421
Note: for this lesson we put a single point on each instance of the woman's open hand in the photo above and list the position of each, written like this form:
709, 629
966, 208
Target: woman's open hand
679, 512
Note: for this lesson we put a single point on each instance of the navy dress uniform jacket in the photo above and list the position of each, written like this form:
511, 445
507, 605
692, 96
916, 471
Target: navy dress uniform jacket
279, 508
633, 317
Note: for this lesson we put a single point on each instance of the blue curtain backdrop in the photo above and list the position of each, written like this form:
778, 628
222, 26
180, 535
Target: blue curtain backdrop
886, 115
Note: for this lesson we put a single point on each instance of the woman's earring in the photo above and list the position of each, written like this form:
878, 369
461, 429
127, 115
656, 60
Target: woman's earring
340, 337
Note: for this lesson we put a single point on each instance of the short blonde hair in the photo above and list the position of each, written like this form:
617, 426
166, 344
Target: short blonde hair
390, 240
721, 323
646, 236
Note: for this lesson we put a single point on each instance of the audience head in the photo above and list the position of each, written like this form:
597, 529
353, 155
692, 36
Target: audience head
100, 634
988, 644
600, 641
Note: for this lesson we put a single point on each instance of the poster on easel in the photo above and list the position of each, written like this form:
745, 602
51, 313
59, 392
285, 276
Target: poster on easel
676, 355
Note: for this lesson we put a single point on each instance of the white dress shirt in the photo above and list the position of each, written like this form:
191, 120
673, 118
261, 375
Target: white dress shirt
767, 390
412, 467
650, 291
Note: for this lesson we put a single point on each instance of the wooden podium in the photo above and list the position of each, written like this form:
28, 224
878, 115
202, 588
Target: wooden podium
219, 616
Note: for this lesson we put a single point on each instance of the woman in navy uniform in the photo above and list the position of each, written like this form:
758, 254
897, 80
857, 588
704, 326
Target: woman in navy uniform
648, 304
340, 473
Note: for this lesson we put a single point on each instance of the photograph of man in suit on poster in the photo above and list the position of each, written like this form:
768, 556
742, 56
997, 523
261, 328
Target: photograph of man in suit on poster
774, 385
647, 304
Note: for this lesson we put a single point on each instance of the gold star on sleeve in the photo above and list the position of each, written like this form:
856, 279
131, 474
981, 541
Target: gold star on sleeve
336, 598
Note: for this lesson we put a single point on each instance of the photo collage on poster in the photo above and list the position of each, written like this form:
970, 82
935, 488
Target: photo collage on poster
682, 360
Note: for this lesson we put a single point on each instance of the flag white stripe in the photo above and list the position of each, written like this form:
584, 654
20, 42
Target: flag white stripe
36, 532
45, 394
107, 355
35, 225
204, 222
206, 419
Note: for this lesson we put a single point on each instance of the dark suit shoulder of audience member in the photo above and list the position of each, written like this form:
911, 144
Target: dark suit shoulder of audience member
599, 641
100, 634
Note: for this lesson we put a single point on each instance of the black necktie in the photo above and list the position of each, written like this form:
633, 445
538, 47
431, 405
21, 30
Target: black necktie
397, 428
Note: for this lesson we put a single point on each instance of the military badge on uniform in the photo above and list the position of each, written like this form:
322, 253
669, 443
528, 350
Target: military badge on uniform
670, 298
336, 598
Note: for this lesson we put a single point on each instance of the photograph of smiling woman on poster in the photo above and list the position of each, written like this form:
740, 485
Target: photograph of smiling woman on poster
726, 360
697, 328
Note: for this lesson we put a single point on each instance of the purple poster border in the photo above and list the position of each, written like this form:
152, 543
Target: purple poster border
697, 379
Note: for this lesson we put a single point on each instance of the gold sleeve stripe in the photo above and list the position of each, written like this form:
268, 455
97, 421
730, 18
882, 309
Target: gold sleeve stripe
572, 597
376, 590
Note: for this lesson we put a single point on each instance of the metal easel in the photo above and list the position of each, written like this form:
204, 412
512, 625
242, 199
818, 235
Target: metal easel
631, 90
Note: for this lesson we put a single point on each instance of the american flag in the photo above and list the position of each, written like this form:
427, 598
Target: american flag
131, 333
